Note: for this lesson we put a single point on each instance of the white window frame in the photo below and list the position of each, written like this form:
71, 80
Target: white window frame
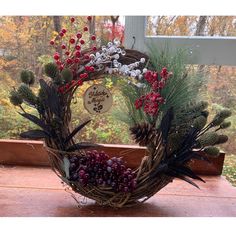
202, 49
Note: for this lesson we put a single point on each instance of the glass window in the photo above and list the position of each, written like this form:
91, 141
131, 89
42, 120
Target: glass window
213, 26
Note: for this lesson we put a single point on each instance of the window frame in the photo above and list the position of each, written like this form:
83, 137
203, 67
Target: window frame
203, 50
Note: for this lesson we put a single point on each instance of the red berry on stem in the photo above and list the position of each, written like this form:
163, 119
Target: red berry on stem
138, 103
67, 53
86, 57
63, 46
164, 72
79, 35
80, 82
89, 18
63, 31
61, 34
58, 63
77, 53
56, 56
72, 19
72, 40
61, 67
69, 61
85, 75
77, 47
73, 82
82, 41
76, 60
52, 42
94, 48
87, 68
85, 28
93, 37
62, 88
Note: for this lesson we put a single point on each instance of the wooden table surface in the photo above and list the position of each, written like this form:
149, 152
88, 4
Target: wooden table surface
31, 191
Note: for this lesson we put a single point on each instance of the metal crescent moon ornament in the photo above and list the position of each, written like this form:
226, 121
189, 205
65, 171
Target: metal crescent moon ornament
97, 99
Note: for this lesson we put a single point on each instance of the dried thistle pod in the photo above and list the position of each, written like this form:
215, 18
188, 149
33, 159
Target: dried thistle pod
67, 75
27, 94
222, 139
51, 70
200, 122
15, 98
212, 151
25, 77
32, 77
208, 139
225, 125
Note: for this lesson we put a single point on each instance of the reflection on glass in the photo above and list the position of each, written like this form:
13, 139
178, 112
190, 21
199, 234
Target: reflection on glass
214, 26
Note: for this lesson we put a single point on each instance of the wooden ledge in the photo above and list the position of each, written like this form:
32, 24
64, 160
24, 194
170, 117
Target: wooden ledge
30, 191
32, 153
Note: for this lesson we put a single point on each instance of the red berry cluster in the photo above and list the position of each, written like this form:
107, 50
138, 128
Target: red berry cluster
151, 103
72, 55
67, 87
97, 169
155, 80
152, 100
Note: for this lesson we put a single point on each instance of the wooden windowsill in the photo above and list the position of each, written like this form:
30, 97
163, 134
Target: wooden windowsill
34, 190
37, 191
33, 153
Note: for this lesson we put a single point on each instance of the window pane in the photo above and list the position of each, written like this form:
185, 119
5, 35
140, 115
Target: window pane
214, 26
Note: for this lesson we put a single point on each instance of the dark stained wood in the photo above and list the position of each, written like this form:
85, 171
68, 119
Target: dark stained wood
29, 191
214, 167
20, 152
32, 153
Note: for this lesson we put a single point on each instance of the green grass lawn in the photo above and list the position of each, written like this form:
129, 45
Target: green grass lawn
230, 168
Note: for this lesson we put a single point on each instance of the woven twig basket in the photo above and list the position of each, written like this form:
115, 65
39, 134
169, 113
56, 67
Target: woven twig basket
146, 187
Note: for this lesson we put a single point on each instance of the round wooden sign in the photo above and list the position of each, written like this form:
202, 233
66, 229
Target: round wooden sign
97, 99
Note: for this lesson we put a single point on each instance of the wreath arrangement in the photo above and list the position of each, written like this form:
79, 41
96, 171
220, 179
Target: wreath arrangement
170, 133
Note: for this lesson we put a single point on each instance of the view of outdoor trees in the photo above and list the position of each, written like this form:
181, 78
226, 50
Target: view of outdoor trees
24, 43
192, 25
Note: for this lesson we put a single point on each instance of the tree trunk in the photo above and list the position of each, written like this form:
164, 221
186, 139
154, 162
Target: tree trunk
114, 19
201, 25
92, 28
57, 28
57, 23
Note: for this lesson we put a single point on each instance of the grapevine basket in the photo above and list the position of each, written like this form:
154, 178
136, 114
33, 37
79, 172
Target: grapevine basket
147, 184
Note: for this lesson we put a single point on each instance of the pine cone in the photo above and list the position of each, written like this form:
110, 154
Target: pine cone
143, 134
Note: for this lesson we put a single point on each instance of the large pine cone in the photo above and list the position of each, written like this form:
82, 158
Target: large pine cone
143, 133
